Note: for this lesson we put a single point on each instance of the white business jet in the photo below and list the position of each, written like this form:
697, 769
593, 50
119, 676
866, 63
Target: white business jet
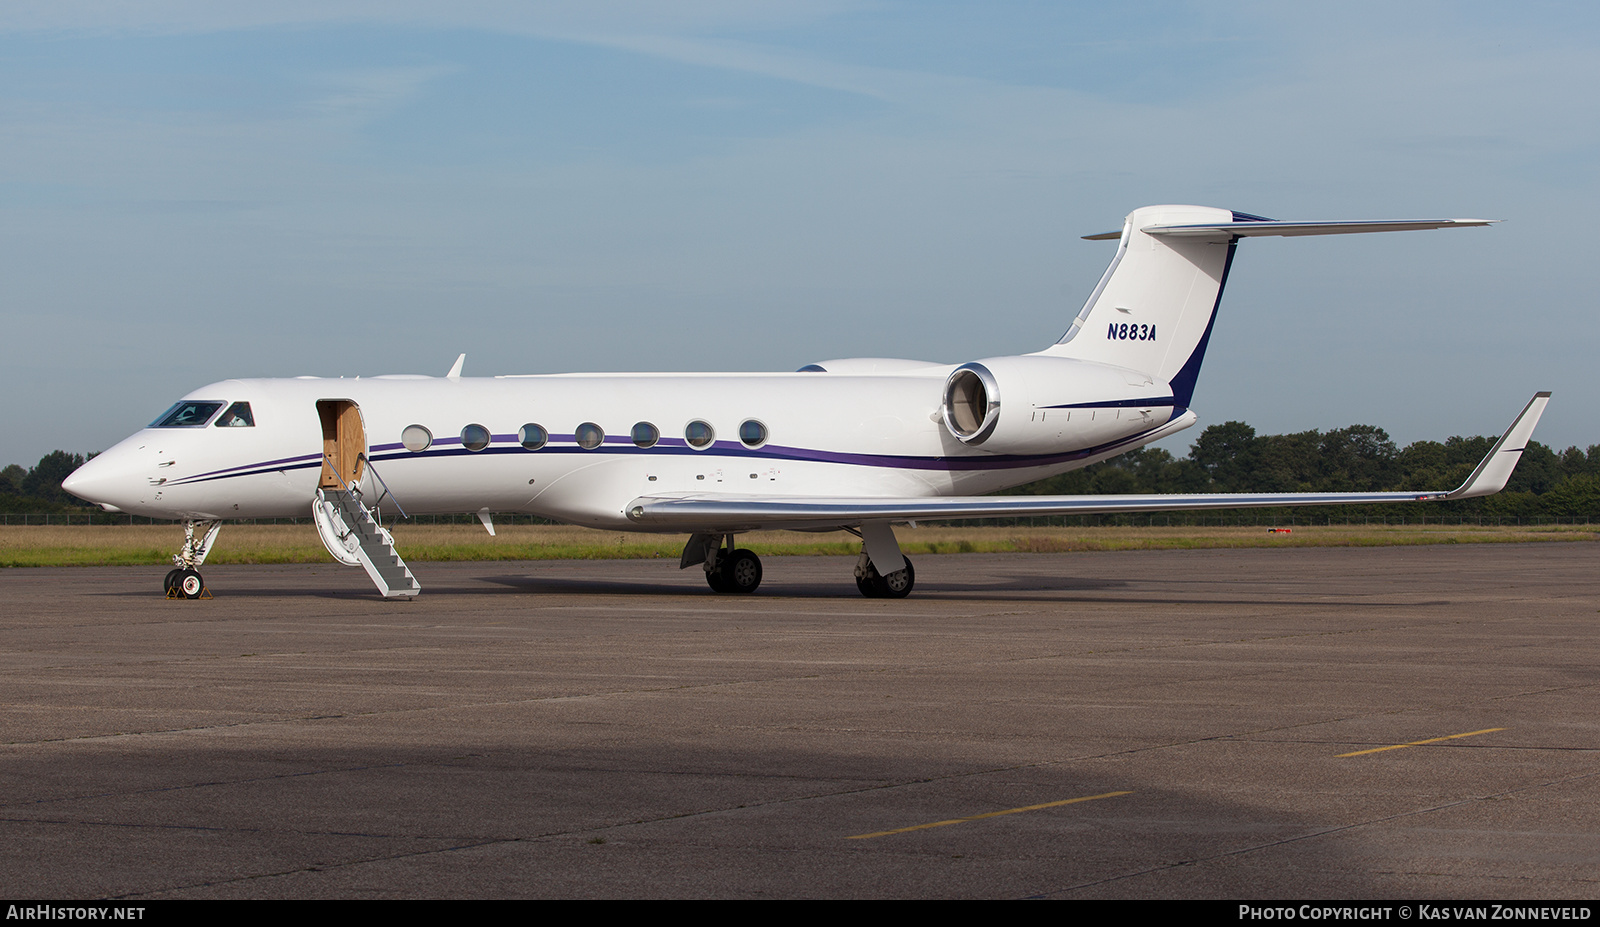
858, 444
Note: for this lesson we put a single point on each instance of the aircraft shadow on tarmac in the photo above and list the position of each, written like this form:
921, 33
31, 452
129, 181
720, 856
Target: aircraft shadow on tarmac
996, 588
1023, 588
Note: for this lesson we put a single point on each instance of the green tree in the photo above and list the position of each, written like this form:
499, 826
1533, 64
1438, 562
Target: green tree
44, 480
11, 480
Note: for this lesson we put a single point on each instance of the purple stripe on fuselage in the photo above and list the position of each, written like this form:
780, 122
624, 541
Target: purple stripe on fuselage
263, 465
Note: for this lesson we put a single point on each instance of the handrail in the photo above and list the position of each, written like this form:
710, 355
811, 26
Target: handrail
386, 490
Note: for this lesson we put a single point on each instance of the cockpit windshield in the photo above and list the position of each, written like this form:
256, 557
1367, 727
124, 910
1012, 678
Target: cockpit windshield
237, 416
189, 413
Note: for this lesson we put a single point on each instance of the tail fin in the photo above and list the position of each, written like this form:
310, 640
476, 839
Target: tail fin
1155, 305
1153, 308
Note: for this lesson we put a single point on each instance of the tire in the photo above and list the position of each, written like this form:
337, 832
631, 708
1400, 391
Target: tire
896, 585
190, 584
741, 572
171, 582
867, 586
715, 581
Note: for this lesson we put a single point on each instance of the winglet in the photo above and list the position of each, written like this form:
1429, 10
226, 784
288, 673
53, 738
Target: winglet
455, 370
1495, 469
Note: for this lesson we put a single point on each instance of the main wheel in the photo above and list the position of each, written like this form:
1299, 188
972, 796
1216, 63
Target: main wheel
896, 585
741, 571
171, 582
715, 581
867, 586
190, 584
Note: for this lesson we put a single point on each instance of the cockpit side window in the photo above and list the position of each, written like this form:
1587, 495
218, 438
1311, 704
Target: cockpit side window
190, 413
237, 416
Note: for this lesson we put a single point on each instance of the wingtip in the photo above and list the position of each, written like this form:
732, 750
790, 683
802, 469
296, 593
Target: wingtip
1494, 471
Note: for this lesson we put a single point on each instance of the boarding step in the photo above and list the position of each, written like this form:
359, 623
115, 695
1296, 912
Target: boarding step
354, 537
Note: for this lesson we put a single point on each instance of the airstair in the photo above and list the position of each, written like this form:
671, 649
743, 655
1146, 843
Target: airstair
354, 537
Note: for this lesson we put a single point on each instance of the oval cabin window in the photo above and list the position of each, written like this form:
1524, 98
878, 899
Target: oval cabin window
416, 438
474, 437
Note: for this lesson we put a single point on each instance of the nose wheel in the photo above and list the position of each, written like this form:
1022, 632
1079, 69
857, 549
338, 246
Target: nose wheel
186, 584
183, 581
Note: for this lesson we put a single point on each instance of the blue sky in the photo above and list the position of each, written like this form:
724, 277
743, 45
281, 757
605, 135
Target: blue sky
191, 191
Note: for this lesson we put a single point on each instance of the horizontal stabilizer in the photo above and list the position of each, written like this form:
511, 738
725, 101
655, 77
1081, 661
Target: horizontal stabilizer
731, 512
1261, 228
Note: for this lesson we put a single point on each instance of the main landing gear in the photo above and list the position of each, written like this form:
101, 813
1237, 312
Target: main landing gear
875, 585
728, 568
882, 572
732, 569
183, 581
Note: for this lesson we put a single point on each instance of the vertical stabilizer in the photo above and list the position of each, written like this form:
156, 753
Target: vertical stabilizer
1153, 308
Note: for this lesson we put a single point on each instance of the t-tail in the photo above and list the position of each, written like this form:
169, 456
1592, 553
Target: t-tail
1154, 307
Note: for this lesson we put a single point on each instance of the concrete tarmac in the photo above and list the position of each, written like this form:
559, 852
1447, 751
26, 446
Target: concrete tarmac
1157, 724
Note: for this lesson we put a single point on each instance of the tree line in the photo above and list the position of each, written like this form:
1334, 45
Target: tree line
1229, 457
38, 489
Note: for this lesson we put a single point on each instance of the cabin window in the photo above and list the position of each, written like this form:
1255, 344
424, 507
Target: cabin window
589, 435
532, 436
646, 434
416, 438
187, 414
698, 434
237, 416
752, 433
474, 437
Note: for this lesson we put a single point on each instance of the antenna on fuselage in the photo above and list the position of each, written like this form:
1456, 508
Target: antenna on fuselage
455, 371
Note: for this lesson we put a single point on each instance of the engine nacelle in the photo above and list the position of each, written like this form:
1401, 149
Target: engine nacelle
1036, 404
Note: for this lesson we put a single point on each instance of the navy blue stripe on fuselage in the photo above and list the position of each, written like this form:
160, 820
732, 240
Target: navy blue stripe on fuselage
298, 460
1155, 403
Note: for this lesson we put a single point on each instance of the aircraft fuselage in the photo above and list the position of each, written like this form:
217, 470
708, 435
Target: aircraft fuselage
814, 434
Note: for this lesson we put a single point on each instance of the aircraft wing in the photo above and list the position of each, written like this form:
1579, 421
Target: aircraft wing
730, 512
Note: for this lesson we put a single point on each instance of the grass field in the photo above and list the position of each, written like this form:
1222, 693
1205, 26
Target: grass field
86, 545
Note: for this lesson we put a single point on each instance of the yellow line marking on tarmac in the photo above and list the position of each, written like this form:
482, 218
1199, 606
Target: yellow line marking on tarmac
992, 814
1418, 743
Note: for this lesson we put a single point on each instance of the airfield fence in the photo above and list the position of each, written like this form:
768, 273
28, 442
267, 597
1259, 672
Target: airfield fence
1172, 520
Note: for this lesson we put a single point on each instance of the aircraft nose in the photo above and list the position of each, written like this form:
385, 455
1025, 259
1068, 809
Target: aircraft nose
106, 480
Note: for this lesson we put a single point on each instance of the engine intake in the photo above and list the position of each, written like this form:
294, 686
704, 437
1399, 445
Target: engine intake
971, 403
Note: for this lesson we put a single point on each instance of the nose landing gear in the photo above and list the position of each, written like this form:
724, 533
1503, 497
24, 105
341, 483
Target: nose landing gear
183, 581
